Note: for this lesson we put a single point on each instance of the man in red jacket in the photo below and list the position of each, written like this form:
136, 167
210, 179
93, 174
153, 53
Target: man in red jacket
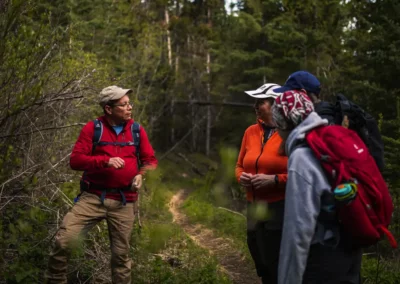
109, 185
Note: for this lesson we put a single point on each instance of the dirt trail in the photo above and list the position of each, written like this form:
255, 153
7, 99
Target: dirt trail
231, 262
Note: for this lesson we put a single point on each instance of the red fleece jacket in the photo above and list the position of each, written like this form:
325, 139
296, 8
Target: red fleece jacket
95, 164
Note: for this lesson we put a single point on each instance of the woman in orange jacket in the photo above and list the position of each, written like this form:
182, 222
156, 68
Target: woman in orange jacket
262, 170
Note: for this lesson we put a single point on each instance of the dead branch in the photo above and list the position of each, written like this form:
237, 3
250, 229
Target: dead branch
62, 99
42, 129
63, 196
182, 139
17, 176
56, 164
194, 167
234, 212
206, 103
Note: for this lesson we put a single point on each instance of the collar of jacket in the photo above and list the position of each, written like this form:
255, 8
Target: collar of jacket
127, 124
263, 126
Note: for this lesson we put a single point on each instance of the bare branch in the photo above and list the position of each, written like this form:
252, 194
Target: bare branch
43, 129
56, 164
234, 212
182, 139
234, 104
17, 176
63, 196
34, 125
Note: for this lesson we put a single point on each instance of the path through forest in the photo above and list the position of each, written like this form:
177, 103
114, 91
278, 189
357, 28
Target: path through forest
231, 262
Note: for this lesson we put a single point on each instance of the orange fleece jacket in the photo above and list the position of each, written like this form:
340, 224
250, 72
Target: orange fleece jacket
256, 158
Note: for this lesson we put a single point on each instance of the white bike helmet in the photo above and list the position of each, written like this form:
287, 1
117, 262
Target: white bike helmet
265, 91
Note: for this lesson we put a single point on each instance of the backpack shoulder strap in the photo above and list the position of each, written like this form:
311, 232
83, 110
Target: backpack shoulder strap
98, 132
135, 129
344, 103
326, 110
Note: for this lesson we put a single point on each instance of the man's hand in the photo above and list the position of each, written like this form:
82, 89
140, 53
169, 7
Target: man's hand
245, 179
137, 182
262, 181
116, 163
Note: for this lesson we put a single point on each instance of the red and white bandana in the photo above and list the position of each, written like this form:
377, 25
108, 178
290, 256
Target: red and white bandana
291, 108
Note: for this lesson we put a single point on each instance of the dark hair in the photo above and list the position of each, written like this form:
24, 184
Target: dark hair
258, 102
314, 97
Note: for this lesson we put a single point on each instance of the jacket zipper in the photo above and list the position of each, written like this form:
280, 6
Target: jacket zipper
262, 149
118, 148
123, 140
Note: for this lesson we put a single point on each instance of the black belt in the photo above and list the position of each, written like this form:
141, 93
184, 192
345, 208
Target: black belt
86, 186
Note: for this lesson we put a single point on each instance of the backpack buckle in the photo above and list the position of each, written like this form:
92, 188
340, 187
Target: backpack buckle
325, 158
84, 185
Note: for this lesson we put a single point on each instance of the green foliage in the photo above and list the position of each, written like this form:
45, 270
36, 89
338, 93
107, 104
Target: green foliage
24, 239
71, 189
180, 261
204, 206
228, 163
57, 55
382, 271
162, 251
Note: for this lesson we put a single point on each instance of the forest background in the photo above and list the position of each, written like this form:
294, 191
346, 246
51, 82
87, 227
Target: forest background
188, 63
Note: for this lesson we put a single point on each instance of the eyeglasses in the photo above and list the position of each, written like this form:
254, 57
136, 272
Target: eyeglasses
125, 105
258, 103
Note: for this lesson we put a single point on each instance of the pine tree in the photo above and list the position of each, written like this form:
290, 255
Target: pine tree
308, 36
373, 64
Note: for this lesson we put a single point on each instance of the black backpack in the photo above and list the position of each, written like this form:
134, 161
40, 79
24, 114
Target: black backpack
359, 120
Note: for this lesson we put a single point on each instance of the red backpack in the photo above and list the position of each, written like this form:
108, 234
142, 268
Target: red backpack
346, 159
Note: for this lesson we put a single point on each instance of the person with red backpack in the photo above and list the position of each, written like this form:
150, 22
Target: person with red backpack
336, 199
357, 119
114, 153
313, 247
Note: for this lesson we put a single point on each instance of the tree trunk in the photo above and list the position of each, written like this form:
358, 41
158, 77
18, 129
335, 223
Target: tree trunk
263, 58
169, 50
168, 38
208, 128
172, 106
191, 99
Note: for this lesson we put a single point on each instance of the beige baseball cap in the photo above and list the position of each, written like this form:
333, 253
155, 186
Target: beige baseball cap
112, 93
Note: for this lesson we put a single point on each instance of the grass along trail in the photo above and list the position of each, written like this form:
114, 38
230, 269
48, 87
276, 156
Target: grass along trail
231, 262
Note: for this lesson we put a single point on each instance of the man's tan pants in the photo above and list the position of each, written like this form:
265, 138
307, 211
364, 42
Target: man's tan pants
85, 214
